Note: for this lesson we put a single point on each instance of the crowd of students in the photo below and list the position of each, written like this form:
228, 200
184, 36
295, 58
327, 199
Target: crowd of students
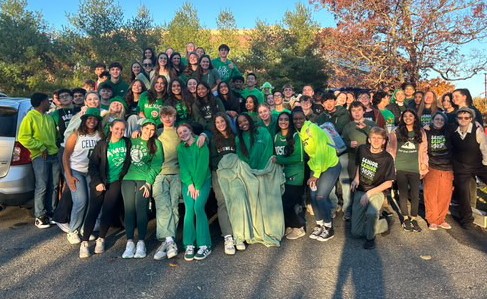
186, 126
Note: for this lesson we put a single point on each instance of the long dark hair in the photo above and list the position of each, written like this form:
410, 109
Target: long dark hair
177, 70
188, 71
186, 98
402, 131
209, 99
289, 148
218, 136
153, 57
118, 120
256, 102
151, 143
142, 71
83, 129
130, 94
252, 131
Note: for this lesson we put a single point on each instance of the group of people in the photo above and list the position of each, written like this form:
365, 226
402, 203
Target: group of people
185, 127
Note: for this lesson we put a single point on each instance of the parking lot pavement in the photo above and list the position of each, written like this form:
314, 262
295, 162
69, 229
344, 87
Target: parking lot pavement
38, 263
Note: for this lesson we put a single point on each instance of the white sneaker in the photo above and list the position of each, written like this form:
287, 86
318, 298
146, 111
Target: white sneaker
100, 245
84, 250
172, 250
296, 234
63, 226
240, 246
73, 238
161, 251
129, 250
229, 246
140, 251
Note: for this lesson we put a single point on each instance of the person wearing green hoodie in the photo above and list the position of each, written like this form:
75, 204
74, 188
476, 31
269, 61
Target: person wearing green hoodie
325, 169
194, 165
225, 67
146, 161
37, 133
254, 144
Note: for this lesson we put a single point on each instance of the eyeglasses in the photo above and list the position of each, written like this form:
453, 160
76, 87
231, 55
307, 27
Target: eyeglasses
464, 117
147, 64
65, 96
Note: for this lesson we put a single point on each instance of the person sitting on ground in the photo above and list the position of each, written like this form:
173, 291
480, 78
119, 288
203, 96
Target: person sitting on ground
374, 177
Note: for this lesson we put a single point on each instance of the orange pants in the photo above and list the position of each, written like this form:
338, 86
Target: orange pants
438, 187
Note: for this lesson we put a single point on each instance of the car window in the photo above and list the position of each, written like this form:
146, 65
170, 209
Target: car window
8, 119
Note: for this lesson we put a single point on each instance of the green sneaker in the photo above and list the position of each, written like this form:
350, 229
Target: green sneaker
203, 252
189, 253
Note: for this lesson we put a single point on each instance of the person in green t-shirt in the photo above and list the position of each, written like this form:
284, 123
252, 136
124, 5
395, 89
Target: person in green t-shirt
381, 100
194, 164
409, 146
252, 89
146, 161
289, 153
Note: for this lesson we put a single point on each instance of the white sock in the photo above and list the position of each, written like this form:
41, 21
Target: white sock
328, 224
320, 222
169, 240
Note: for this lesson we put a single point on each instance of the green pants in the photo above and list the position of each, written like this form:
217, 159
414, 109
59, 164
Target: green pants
136, 208
166, 192
196, 208
365, 220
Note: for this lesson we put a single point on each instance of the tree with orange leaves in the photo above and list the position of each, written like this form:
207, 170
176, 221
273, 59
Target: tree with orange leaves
391, 41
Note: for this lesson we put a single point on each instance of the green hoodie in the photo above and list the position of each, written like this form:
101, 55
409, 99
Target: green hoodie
194, 164
37, 133
259, 152
143, 166
317, 145
339, 118
294, 163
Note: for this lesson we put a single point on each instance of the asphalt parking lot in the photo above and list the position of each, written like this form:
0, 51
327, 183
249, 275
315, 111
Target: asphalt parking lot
38, 263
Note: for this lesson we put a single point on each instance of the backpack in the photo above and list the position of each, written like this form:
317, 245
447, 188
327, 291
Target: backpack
338, 142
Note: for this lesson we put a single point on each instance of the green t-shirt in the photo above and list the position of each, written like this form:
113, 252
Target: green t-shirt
116, 154
257, 93
226, 73
294, 163
389, 118
151, 111
407, 155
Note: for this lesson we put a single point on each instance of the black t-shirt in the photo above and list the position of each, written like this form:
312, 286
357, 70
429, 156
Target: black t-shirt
369, 115
374, 169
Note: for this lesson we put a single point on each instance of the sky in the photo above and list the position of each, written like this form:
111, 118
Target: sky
246, 14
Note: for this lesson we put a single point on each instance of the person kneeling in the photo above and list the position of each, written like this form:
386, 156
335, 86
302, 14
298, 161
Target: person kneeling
374, 177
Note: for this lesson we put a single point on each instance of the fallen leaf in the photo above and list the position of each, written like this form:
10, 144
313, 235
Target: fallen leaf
426, 257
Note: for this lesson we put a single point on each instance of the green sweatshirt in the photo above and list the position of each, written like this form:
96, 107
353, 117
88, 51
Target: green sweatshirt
272, 127
294, 163
317, 145
37, 133
226, 73
194, 164
151, 111
170, 141
260, 152
120, 88
144, 166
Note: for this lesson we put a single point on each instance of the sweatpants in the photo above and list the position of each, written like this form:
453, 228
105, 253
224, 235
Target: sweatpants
223, 219
196, 229
438, 189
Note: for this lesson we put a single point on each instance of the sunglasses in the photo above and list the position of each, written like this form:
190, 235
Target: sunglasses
464, 117
147, 64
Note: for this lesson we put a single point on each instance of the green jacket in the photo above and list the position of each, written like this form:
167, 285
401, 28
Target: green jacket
317, 145
194, 164
259, 152
37, 133
143, 166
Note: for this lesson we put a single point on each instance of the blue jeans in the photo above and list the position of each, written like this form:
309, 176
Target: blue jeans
80, 200
320, 199
46, 173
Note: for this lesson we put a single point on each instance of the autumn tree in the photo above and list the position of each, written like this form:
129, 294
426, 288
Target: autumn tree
437, 85
390, 41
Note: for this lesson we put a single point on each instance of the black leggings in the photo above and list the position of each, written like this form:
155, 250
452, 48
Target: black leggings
107, 201
408, 185
292, 204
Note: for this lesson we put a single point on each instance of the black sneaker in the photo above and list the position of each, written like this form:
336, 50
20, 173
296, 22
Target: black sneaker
416, 227
390, 222
327, 234
42, 222
316, 232
369, 244
407, 225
